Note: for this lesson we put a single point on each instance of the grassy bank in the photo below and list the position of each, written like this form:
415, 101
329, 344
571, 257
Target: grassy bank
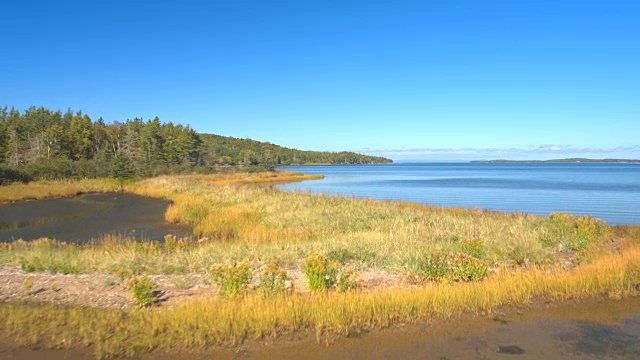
233, 219
527, 258
54, 189
221, 321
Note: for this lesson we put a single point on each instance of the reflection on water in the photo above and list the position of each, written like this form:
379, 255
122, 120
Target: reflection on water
83, 218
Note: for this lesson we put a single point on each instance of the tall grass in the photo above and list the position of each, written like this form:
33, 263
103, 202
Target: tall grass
234, 219
237, 220
52, 189
224, 321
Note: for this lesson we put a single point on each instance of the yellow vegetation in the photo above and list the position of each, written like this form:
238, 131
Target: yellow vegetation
52, 189
220, 321
263, 224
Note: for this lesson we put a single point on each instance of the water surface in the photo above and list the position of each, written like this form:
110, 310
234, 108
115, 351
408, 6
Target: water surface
610, 191
87, 217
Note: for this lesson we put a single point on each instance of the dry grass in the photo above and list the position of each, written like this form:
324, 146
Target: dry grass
53, 189
261, 224
224, 321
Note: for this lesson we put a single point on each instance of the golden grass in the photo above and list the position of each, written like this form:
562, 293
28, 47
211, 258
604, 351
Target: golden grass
378, 233
222, 321
261, 178
260, 223
53, 189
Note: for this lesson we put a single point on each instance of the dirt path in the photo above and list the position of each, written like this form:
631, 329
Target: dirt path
109, 291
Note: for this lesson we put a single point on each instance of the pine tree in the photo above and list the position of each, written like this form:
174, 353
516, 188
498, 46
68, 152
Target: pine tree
122, 169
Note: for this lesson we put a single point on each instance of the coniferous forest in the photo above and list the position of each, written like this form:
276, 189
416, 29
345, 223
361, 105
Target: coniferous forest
40, 143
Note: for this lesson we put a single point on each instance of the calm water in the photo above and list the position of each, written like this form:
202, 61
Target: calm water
87, 217
607, 191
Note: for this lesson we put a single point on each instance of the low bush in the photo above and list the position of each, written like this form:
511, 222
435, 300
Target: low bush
143, 291
452, 267
463, 267
432, 267
274, 279
10, 175
576, 233
233, 278
321, 273
31, 266
348, 280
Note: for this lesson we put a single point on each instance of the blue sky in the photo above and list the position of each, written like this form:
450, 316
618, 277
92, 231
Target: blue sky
406, 79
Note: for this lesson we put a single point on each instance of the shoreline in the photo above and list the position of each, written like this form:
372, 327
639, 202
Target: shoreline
444, 335
242, 219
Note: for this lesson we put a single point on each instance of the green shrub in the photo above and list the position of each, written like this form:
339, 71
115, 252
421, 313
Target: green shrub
31, 266
463, 267
273, 280
348, 280
453, 267
233, 278
9, 175
432, 267
321, 274
143, 291
576, 233
36, 265
63, 268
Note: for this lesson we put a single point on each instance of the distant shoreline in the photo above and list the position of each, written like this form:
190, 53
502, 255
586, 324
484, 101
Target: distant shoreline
568, 160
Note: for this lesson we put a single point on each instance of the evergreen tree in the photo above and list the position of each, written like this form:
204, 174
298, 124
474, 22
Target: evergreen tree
122, 169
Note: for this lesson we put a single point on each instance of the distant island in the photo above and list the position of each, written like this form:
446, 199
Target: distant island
567, 160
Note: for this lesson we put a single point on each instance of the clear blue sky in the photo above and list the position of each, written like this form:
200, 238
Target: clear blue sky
410, 80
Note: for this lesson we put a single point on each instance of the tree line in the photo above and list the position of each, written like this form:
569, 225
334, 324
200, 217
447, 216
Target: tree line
41, 143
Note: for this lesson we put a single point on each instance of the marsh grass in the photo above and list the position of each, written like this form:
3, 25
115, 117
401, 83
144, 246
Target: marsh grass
53, 189
235, 219
215, 321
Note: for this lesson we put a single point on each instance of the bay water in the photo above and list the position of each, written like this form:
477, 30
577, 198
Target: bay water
609, 191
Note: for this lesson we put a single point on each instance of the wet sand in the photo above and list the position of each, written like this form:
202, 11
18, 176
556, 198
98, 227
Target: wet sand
87, 217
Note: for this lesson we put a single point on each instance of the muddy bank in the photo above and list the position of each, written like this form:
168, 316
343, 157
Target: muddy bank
588, 329
87, 217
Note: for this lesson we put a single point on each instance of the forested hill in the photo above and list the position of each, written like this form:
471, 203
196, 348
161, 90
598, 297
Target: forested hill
43, 143
246, 151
